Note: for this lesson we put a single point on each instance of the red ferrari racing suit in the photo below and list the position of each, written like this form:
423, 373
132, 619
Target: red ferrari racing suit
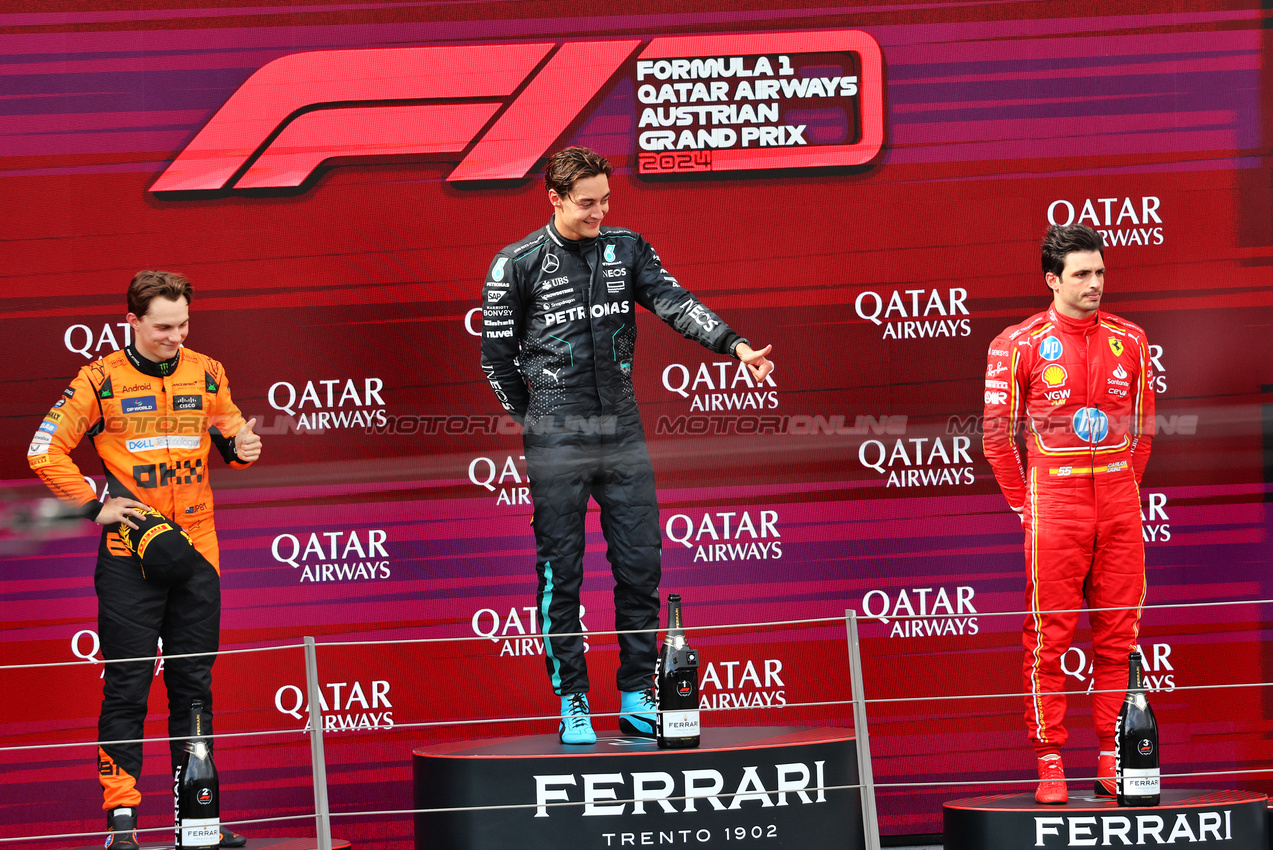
1082, 388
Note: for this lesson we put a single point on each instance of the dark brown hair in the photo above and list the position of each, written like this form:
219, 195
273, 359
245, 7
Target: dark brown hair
572, 164
149, 285
1061, 241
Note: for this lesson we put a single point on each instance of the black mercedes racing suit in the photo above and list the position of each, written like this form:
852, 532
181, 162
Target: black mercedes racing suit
558, 339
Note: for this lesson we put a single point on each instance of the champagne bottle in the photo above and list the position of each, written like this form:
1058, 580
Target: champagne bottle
1136, 742
677, 684
195, 788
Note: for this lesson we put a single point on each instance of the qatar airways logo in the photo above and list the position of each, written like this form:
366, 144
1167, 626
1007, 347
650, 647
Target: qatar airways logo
924, 611
352, 706
333, 403
721, 386
1155, 524
1119, 220
915, 313
727, 536
727, 685
1160, 671
334, 556
507, 479
503, 106
517, 634
920, 461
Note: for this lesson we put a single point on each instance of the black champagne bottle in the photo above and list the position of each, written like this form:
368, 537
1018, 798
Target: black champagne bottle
677, 682
1136, 742
195, 788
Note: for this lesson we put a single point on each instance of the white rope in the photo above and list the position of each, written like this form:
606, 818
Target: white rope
810, 621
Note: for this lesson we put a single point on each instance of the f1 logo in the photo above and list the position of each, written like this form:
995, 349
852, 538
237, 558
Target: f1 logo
502, 105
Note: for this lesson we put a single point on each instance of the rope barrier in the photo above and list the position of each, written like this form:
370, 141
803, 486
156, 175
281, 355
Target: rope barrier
866, 785
544, 718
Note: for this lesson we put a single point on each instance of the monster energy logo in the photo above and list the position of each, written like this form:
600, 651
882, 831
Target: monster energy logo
164, 367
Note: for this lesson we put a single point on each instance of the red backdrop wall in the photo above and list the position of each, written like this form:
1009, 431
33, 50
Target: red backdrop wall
335, 178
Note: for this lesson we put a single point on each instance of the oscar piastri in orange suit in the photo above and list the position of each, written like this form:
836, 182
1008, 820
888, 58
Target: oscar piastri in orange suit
154, 412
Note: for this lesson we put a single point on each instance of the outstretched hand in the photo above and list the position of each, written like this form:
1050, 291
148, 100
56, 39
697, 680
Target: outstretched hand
757, 363
247, 443
118, 509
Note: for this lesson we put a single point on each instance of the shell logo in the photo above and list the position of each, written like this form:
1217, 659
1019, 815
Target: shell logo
1054, 375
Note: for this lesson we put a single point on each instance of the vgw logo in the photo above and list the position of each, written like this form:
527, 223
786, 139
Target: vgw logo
505, 104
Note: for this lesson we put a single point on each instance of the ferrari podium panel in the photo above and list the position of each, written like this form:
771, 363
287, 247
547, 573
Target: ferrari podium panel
772, 787
1234, 820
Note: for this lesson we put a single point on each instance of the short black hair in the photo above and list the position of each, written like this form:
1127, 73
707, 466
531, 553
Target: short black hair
1061, 240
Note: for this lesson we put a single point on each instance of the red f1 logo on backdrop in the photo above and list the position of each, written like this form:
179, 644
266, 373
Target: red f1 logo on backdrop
503, 106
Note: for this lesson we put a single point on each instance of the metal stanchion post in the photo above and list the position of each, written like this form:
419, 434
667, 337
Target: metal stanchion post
321, 812
870, 822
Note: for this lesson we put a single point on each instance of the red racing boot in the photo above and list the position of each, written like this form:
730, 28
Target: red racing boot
1105, 784
1051, 782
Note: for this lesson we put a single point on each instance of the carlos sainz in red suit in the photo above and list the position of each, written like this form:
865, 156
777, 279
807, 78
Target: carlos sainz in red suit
1077, 381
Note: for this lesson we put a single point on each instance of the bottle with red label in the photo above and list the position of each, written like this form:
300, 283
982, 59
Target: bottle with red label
195, 788
677, 684
1136, 742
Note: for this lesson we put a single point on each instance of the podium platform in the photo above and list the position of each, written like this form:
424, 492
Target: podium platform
741, 786
1235, 820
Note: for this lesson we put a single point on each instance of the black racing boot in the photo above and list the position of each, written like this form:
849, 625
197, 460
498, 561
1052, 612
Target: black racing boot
230, 838
122, 823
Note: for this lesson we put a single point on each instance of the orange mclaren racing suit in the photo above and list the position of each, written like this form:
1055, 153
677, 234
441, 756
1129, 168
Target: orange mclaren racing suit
153, 425
1083, 390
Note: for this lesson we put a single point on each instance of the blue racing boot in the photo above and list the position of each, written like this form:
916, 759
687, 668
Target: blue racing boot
576, 724
640, 713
